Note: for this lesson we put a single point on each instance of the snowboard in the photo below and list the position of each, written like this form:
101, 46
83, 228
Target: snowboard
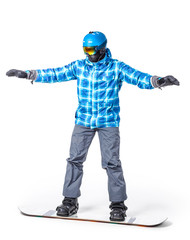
140, 221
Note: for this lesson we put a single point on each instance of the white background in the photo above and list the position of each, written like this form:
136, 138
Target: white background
37, 120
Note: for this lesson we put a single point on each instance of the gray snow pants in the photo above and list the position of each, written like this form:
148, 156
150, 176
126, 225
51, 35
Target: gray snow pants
109, 144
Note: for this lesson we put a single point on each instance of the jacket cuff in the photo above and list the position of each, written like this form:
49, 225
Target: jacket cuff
154, 80
32, 75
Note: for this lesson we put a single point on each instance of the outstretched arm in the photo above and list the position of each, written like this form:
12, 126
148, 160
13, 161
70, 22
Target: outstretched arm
144, 80
135, 77
50, 75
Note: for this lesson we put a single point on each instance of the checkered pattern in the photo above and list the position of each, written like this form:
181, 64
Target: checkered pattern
98, 86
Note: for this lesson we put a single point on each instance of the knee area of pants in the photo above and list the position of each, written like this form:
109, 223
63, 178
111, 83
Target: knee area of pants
75, 161
111, 164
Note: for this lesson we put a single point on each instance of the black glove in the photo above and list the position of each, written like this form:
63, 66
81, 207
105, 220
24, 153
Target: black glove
168, 80
165, 81
30, 75
16, 73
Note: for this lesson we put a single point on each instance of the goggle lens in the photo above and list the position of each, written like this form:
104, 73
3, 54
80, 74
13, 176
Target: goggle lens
89, 50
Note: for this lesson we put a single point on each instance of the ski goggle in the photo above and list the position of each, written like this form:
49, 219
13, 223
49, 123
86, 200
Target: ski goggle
90, 50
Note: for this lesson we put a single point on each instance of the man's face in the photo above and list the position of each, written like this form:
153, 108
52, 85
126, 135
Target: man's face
93, 55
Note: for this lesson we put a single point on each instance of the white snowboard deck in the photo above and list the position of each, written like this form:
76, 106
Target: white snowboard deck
93, 214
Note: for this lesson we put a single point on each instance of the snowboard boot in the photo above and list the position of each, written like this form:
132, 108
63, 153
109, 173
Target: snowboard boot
68, 207
118, 212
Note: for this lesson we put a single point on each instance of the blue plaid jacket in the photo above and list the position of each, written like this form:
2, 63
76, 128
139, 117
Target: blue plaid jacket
98, 86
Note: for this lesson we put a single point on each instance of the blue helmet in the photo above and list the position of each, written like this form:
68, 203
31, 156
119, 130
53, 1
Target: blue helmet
95, 39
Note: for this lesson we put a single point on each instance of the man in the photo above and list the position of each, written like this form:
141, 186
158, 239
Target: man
99, 79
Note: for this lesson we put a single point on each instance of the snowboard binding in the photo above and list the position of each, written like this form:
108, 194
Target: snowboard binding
68, 207
118, 212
